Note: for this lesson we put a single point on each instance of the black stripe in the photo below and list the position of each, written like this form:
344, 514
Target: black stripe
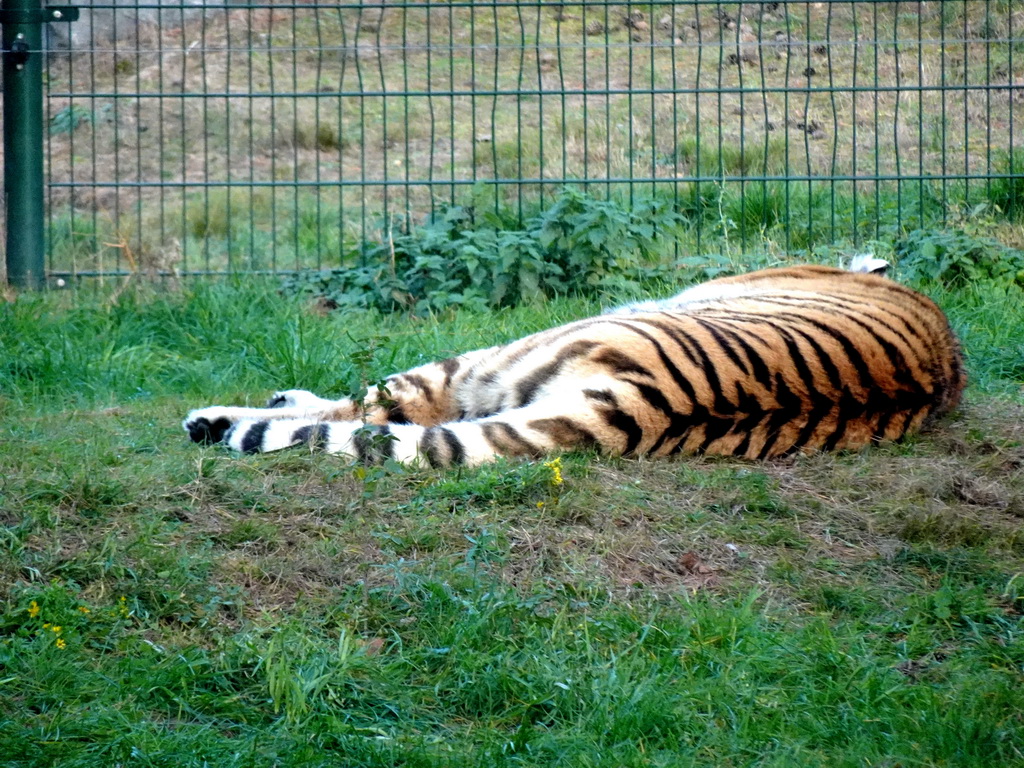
821, 409
655, 398
397, 416
821, 405
878, 311
839, 432
881, 427
852, 409
373, 444
681, 381
449, 367
895, 356
620, 362
361, 441
722, 342
679, 423
850, 306
869, 323
746, 427
908, 418
507, 441
315, 435
824, 359
626, 424
705, 366
526, 388
849, 348
714, 429
790, 408
760, 370
564, 432
417, 381
797, 359
852, 352
252, 441
601, 395
456, 452
429, 447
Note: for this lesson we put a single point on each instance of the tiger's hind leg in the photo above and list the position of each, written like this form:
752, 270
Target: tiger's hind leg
425, 395
590, 417
213, 423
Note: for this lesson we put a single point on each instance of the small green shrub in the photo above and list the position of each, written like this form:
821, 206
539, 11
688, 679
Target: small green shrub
577, 246
957, 257
74, 115
221, 212
731, 159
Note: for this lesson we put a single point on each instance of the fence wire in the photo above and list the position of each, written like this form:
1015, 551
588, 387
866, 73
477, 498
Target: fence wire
253, 137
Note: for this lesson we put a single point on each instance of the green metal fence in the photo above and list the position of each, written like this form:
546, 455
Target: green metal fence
211, 138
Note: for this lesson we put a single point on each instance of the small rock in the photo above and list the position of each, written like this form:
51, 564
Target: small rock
635, 20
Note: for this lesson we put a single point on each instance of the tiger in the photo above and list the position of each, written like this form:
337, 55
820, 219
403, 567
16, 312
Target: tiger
758, 366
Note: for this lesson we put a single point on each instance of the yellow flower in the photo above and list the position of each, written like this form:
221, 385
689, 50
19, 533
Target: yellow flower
540, 504
555, 465
56, 628
61, 644
83, 609
33, 609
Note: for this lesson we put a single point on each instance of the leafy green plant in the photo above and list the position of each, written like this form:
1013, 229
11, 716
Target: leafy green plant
578, 246
957, 257
73, 115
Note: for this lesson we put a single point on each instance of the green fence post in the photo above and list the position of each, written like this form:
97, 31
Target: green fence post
22, 22
23, 141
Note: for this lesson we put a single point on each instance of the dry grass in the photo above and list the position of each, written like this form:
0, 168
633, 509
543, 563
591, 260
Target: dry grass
375, 110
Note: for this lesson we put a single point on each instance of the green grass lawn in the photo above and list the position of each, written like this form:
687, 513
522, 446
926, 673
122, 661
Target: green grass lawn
163, 604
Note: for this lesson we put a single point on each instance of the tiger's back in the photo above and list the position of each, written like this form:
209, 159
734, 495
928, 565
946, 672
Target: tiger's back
757, 365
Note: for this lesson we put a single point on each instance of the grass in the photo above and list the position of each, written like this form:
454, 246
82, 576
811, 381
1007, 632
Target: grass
163, 604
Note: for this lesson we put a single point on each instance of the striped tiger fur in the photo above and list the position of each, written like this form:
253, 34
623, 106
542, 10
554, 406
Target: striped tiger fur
757, 366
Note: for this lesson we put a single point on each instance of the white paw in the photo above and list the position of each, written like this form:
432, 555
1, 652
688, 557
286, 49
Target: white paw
295, 398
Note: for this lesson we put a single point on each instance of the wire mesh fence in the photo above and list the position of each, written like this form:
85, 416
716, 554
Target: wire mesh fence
216, 138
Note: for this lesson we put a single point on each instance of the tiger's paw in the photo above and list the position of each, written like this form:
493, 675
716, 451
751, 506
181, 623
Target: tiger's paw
296, 398
207, 425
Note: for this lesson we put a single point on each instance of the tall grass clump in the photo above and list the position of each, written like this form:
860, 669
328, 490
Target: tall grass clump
1006, 193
